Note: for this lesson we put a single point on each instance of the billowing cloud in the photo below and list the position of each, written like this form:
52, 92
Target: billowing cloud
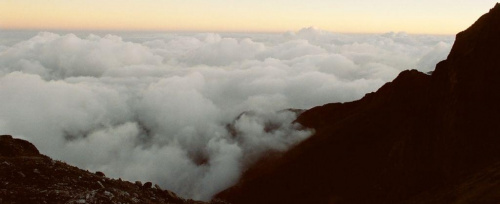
190, 112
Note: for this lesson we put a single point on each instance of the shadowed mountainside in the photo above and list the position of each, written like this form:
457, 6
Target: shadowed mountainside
418, 139
30, 177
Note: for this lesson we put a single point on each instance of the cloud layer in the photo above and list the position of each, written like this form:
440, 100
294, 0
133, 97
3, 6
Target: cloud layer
189, 111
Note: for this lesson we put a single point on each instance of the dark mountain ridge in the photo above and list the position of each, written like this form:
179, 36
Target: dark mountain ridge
416, 133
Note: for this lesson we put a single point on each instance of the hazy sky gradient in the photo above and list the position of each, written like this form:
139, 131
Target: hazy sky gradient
354, 16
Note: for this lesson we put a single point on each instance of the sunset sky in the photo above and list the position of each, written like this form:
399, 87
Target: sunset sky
353, 16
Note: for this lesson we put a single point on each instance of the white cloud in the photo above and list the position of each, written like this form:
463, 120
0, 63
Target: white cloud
55, 57
439, 52
166, 108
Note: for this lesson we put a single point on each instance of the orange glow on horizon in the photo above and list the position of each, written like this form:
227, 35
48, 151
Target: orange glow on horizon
168, 16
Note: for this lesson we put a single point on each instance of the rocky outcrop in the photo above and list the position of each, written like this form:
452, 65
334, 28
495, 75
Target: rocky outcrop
417, 135
30, 177
10, 147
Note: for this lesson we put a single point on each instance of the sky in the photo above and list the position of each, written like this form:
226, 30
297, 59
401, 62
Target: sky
347, 16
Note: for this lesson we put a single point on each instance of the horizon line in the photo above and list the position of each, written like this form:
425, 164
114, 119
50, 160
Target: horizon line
69, 30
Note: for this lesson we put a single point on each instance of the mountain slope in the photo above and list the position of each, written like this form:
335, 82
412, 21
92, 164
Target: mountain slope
30, 177
416, 133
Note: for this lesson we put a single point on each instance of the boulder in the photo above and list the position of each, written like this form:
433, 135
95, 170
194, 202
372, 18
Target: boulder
10, 147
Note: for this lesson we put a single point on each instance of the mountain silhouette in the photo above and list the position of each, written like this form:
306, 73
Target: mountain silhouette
418, 139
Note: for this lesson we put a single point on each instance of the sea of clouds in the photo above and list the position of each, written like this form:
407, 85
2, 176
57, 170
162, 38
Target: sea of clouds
189, 111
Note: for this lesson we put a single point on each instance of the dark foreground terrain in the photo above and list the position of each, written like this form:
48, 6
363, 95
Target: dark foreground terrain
419, 139
26, 176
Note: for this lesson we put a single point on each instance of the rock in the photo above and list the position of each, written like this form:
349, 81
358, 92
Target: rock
158, 187
109, 194
148, 185
21, 174
100, 184
138, 183
100, 174
126, 194
171, 194
81, 201
10, 147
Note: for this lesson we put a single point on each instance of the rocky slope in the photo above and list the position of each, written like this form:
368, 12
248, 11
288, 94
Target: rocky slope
30, 177
419, 139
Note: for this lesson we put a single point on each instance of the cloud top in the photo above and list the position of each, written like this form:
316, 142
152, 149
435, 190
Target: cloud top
190, 111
